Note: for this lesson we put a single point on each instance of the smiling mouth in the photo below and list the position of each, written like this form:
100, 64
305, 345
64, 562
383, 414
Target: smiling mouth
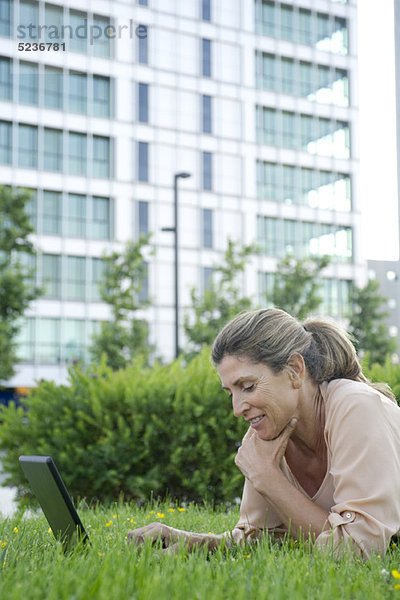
256, 420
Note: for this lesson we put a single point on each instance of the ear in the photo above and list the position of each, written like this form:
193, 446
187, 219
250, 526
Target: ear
296, 369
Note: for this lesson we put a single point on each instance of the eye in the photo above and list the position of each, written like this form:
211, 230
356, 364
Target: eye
249, 388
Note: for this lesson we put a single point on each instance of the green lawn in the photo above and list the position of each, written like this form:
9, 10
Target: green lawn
33, 565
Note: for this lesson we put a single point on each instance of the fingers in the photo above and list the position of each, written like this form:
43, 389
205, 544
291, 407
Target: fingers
153, 531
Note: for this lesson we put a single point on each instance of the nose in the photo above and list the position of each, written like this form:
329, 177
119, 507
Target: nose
240, 406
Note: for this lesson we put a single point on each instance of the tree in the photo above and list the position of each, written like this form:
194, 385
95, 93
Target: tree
367, 327
125, 336
16, 289
295, 285
221, 301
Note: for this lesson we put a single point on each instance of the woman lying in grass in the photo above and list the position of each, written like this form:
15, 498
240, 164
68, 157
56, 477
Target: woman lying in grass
321, 457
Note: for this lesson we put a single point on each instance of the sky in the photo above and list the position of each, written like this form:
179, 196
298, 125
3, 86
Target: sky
377, 120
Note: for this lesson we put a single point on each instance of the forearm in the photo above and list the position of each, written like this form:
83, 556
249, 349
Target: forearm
192, 539
298, 513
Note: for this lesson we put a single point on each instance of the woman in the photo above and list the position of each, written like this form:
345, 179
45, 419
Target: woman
321, 457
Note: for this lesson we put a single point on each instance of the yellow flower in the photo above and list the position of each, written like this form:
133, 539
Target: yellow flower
246, 555
160, 515
171, 510
114, 516
181, 509
134, 522
4, 544
109, 524
397, 586
49, 530
152, 512
396, 574
15, 529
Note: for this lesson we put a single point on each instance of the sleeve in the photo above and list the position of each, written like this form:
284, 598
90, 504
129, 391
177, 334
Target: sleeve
255, 513
362, 434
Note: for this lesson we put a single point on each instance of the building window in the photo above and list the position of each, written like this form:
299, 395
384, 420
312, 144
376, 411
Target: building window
101, 156
143, 161
28, 83
51, 213
101, 96
77, 83
99, 227
206, 57
142, 2
77, 153
27, 146
208, 273
48, 341
143, 102
78, 22
53, 88
76, 216
53, 16
5, 18
207, 228
206, 10
142, 42
28, 20
5, 143
6, 80
53, 150
279, 237
143, 295
207, 171
51, 275
101, 41
207, 114
143, 217
97, 276
73, 340
75, 284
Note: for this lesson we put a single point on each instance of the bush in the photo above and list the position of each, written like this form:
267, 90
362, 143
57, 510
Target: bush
140, 431
387, 373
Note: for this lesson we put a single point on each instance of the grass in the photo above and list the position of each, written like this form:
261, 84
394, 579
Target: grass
34, 567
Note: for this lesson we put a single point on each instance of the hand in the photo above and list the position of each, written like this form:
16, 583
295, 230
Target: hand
258, 459
171, 538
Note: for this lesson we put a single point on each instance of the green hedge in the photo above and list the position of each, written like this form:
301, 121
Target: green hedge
161, 431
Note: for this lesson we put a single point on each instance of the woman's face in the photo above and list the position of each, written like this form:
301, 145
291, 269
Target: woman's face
266, 400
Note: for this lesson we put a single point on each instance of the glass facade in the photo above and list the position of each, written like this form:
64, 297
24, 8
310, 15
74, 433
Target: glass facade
334, 293
55, 341
301, 185
317, 82
295, 24
44, 147
279, 237
71, 215
87, 93
308, 133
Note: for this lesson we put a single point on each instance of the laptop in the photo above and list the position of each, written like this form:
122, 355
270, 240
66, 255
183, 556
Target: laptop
53, 497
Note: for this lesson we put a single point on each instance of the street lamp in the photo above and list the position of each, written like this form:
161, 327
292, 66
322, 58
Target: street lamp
177, 176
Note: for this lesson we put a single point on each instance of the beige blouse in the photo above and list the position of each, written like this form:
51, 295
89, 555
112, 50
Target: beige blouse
361, 488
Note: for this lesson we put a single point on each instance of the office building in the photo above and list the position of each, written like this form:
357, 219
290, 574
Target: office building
257, 100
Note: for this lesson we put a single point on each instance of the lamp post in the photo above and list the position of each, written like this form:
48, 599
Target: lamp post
177, 176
